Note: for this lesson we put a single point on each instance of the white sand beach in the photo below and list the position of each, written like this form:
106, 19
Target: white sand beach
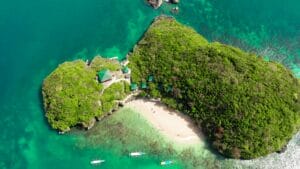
174, 125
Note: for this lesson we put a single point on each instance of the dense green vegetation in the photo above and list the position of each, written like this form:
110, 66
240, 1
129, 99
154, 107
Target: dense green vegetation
72, 94
247, 107
116, 91
99, 63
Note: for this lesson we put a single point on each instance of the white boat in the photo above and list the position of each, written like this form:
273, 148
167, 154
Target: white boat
136, 154
167, 162
94, 162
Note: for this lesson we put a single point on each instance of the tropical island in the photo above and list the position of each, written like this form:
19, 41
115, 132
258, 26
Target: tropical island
247, 107
79, 93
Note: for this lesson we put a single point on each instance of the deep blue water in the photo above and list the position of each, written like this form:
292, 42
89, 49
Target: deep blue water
35, 36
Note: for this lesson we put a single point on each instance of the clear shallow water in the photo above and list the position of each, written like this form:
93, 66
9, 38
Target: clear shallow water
128, 131
35, 36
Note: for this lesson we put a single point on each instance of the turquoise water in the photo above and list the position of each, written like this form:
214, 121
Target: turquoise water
35, 36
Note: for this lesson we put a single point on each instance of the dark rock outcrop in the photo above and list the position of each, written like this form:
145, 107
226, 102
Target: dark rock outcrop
88, 125
282, 150
155, 3
174, 1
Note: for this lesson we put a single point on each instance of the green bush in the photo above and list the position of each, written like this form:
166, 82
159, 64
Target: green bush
247, 107
115, 92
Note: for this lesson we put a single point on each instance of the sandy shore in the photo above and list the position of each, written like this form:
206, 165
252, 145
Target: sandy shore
175, 126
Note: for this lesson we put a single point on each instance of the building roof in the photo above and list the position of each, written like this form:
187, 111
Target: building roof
133, 86
104, 75
144, 85
150, 78
125, 69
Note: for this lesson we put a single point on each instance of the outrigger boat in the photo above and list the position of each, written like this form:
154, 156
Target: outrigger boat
136, 154
167, 162
94, 162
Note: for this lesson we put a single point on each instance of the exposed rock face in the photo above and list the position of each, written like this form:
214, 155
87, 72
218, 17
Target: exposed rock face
89, 125
282, 150
155, 3
174, 1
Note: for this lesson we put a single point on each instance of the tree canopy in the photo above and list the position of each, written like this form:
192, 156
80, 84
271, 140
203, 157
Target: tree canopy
247, 107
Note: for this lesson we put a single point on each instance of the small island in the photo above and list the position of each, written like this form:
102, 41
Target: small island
79, 93
247, 107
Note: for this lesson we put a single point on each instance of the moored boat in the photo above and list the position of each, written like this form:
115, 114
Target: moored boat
94, 162
136, 154
167, 162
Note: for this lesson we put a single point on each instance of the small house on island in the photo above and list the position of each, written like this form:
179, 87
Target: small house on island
133, 86
104, 75
144, 85
126, 71
150, 78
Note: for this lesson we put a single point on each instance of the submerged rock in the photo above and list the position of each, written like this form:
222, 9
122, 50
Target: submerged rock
175, 10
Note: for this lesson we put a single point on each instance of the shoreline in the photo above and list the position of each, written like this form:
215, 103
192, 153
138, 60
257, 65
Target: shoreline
175, 126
